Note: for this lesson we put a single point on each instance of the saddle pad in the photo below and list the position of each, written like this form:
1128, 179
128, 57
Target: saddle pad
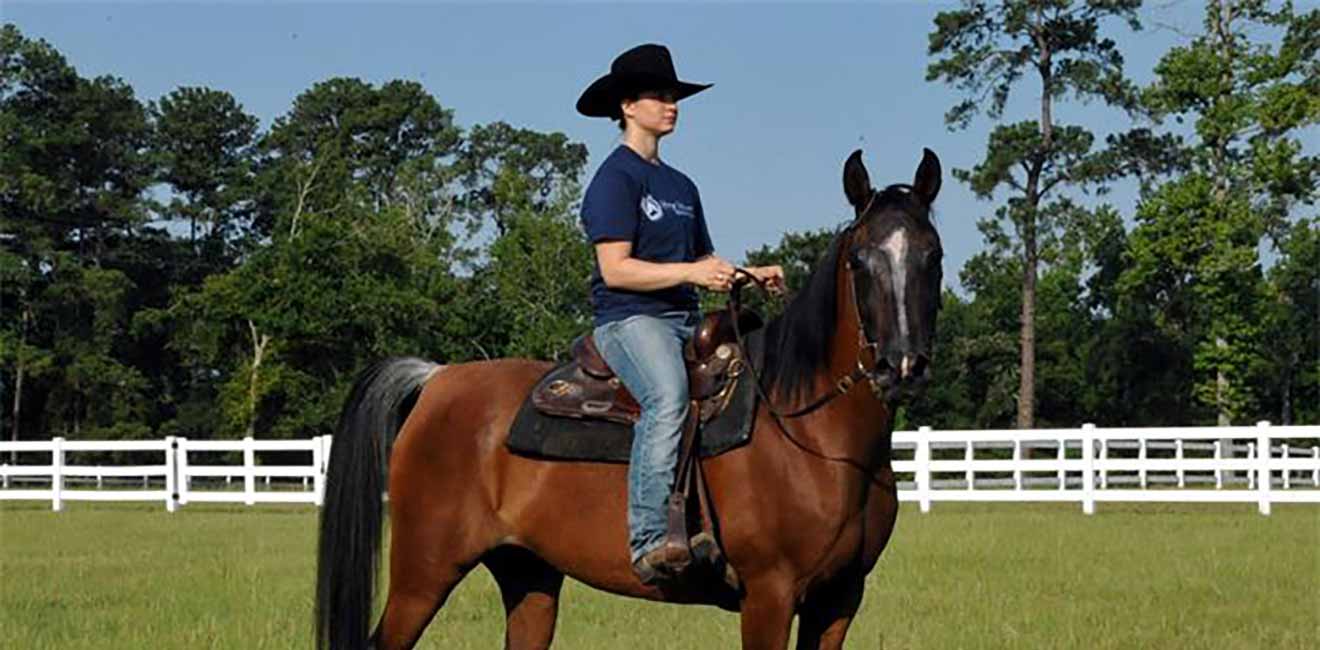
543, 436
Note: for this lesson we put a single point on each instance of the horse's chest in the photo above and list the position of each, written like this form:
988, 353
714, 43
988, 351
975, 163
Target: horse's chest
861, 534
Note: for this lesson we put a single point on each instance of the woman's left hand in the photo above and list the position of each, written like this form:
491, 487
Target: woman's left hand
771, 276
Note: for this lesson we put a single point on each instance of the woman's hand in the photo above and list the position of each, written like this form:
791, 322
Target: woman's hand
711, 273
771, 276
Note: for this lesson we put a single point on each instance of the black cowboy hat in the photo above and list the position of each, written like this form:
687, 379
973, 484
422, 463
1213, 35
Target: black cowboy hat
645, 67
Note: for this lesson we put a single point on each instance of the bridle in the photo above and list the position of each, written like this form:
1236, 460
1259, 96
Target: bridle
842, 384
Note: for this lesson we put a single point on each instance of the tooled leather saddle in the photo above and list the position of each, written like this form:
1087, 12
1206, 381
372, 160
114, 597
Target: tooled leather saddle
581, 411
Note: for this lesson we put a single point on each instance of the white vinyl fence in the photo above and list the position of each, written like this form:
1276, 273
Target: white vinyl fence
179, 479
1086, 465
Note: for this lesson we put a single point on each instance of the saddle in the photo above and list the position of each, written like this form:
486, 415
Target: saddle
586, 388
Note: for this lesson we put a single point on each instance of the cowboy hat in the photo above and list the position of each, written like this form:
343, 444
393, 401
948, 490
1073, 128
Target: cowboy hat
645, 67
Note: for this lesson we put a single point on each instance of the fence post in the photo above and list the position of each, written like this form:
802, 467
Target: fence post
1178, 455
1263, 466
249, 467
970, 456
1219, 472
184, 482
922, 474
1315, 473
1141, 455
1017, 459
4, 475
1287, 474
318, 476
1104, 455
171, 473
327, 442
1088, 468
57, 474
1063, 455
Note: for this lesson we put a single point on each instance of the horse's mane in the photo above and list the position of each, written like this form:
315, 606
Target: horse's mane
798, 341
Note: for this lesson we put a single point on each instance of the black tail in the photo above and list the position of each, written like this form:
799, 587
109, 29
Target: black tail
351, 515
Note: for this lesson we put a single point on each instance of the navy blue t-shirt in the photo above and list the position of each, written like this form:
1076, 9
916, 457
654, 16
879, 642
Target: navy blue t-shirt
657, 208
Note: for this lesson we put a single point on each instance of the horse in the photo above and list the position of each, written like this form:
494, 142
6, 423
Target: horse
805, 507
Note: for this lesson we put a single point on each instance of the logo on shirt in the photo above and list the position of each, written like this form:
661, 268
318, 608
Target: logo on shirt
652, 208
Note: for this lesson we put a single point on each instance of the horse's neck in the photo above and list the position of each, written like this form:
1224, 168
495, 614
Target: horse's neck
855, 425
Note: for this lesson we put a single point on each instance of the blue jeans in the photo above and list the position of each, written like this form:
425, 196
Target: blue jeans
646, 353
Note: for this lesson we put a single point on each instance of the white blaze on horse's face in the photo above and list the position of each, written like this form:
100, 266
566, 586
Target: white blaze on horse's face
896, 247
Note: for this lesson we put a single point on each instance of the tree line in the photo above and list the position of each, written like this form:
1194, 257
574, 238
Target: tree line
169, 267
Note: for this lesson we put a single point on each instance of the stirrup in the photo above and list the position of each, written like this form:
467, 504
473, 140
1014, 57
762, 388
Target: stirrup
666, 562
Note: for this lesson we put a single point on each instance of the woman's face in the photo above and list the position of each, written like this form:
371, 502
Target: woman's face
653, 111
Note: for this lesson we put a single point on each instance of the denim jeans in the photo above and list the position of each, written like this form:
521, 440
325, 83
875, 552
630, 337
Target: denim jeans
646, 353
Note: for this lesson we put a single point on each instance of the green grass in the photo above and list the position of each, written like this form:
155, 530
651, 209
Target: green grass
963, 576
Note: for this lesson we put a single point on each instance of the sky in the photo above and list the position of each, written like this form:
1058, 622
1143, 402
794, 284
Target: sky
798, 86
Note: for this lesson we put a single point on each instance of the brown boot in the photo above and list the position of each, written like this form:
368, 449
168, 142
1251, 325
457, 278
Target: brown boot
663, 563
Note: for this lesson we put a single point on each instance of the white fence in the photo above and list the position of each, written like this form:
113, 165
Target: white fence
178, 480
1085, 465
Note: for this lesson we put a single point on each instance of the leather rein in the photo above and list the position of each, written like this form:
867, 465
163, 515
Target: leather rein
845, 382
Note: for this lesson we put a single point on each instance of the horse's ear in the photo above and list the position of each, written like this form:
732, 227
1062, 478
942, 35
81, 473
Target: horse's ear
927, 183
856, 182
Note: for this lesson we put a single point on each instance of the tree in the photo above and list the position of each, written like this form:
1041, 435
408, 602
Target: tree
347, 145
1292, 326
1194, 252
288, 329
74, 166
506, 170
798, 254
204, 143
984, 49
540, 269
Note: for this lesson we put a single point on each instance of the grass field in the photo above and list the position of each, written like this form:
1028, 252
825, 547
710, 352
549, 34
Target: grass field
963, 576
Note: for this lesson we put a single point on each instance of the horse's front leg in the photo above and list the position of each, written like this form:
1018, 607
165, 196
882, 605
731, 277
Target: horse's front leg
824, 617
767, 615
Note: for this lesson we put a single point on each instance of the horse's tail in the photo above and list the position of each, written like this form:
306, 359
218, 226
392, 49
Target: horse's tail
351, 515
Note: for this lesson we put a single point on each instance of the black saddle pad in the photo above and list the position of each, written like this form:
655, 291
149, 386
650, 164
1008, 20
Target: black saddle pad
548, 437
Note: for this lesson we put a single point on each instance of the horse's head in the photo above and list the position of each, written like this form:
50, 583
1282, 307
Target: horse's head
894, 256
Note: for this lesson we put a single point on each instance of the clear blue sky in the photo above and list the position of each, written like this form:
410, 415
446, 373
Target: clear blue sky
797, 86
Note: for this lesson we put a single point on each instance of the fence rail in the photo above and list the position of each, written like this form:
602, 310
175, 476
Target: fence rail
1252, 464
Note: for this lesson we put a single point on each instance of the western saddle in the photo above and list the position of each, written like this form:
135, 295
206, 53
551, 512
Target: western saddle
586, 387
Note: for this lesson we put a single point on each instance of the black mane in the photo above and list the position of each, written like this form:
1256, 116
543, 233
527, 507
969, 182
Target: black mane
798, 341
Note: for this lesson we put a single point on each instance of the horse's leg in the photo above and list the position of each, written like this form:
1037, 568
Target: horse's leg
530, 590
436, 536
824, 618
767, 616
411, 605
426, 562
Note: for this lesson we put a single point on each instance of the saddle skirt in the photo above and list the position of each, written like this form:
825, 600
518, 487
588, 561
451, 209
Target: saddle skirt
580, 411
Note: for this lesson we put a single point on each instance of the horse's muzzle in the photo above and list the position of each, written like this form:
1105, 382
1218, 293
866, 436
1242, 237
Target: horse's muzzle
901, 376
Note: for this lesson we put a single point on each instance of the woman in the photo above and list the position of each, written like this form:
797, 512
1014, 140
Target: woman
652, 251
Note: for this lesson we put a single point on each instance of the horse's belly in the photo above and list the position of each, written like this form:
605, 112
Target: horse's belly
574, 516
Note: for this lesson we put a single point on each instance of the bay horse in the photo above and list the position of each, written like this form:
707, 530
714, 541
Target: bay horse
805, 507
